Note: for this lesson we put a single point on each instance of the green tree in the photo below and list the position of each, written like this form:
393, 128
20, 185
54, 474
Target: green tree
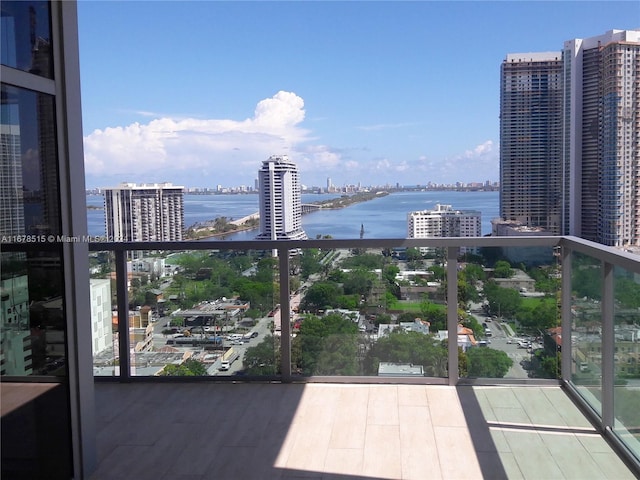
266, 269
627, 292
317, 342
408, 347
549, 364
389, 273
350, 302
435, 314
539, 316
470, 321
502, 301
188, 368
407, 317
488, 362
473, 272
502, 269
413, 254
366, 261
360, 282
439, 273
310, 262
338, 355
320, 295
264, 358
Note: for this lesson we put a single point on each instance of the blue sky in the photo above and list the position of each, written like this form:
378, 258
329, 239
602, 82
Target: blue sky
199, 93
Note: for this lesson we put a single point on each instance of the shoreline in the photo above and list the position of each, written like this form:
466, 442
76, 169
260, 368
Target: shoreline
241, 224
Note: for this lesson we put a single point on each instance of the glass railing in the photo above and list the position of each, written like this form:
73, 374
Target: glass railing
626, 358
601, 310
449, 311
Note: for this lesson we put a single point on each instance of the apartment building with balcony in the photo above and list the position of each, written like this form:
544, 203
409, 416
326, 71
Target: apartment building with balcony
531, 140
444, 221
569, 139
280, 200
602, 136
101, 314
144, 212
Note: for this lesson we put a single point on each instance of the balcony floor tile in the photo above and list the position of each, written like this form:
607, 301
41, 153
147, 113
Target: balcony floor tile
202, 431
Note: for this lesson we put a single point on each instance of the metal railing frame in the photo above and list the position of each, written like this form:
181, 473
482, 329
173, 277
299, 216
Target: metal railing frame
608, 257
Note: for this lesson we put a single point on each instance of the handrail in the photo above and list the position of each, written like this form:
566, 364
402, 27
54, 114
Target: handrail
565, 246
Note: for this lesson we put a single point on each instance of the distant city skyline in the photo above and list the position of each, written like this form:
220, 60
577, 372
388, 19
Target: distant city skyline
199, 93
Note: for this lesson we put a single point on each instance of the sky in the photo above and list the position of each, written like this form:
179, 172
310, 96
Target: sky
199, 93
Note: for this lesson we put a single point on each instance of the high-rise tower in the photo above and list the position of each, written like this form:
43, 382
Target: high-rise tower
142, 213
602, 137
531, 140
569, 136
280, 202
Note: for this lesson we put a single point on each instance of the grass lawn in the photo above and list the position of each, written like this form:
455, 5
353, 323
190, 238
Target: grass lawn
533, 302
409, 306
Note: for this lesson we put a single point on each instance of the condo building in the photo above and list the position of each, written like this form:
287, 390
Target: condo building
602, 137
280, 200
444, 221
531, 140
146, 212
101, 315
569, 136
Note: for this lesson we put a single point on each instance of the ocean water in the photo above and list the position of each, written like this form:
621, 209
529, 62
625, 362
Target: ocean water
384, 217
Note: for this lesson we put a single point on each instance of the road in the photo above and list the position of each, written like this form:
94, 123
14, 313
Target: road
500, 335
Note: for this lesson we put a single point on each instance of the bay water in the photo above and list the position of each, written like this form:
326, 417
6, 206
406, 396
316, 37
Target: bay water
384, 217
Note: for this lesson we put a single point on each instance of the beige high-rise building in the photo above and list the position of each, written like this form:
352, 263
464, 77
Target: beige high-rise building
602, 137
569, 139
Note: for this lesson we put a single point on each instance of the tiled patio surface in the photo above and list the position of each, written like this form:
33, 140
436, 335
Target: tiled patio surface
201, 431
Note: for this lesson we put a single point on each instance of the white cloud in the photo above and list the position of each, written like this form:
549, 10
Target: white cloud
206, 152
220, 147
482, 149
473, 165
319, 158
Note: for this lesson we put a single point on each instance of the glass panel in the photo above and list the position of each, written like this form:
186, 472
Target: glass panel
508, 313
627, 359
586, 338
353, 318
25, 41
210, 312
33, 320
104, 319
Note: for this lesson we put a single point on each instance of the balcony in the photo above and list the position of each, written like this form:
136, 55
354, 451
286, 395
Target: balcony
342, 416
445, 423
346, 431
